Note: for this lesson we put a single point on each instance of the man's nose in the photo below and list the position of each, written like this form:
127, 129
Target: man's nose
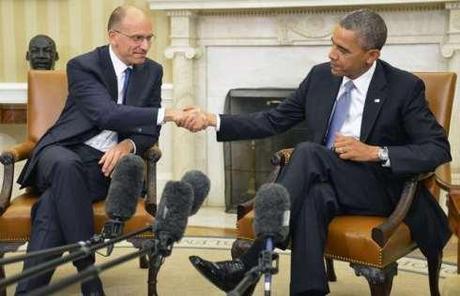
145, 44
332, 54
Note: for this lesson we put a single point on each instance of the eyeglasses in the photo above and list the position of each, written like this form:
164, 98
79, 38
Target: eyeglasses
138, 38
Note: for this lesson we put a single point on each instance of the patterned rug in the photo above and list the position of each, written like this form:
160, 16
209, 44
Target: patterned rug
178, 277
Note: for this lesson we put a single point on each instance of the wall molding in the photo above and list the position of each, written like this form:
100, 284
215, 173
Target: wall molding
13, 93
273, 4
16, 93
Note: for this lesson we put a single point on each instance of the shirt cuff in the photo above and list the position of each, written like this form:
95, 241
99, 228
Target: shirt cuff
160, 116
134, 146
217, 122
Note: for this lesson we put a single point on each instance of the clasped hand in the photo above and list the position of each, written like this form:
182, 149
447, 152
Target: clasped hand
191, 118
350, 148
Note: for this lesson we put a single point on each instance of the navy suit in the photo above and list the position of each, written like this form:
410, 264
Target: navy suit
65, 171
321, 185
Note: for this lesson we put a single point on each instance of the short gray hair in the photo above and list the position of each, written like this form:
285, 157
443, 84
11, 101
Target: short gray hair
368, 25
116, 17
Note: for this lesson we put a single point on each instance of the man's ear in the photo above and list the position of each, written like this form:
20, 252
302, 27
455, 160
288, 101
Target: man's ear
56, 56
27, 56
372, 56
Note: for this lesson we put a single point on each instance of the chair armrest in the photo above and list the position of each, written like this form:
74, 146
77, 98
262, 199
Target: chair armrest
382, 232
18, 152
244, 208
279, 160
443, 177
453, 205
8, 158
152, 155
282, 157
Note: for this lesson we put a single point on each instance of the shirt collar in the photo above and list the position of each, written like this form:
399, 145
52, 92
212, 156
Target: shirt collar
362, 82
118, 65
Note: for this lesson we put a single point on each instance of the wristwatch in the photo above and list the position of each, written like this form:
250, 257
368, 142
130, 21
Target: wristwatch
383, 154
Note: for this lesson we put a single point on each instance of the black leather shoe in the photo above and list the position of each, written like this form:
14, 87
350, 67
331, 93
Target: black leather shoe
224, 274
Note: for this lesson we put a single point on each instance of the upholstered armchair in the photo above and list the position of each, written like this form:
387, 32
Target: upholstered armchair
47, 91
373, 244
443, 180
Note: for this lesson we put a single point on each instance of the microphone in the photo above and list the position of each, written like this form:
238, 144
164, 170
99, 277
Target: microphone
171, 220
271, 222
124, 190
200, 184
169, 227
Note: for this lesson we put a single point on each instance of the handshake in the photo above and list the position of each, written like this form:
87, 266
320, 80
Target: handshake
191, 118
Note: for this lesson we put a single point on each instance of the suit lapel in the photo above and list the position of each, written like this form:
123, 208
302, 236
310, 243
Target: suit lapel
109, 73
376, 96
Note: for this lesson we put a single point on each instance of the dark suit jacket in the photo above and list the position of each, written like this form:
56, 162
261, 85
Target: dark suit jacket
395, 115
91, 106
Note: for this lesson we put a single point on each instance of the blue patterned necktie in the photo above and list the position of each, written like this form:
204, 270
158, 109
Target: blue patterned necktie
341, 110
128, 72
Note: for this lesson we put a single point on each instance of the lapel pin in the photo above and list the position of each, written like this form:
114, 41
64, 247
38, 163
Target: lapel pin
377, 101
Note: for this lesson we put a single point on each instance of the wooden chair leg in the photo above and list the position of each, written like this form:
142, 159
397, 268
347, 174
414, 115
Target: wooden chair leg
330, 270
2, 276
380, 280
138, 243
143, 262
434, 266
458, 256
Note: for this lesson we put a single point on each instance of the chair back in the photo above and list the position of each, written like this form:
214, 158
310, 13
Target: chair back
46, 96
439, 92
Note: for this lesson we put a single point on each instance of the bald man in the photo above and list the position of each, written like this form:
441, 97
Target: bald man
113, 109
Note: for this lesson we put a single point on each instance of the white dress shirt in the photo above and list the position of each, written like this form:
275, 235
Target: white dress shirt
352, 125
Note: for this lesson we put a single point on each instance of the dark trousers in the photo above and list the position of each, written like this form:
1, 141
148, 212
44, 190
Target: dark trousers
321, 186
69, 180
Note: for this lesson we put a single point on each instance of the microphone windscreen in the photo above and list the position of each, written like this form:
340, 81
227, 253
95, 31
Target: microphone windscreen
125, 187
271, 212
200, 185
174, 209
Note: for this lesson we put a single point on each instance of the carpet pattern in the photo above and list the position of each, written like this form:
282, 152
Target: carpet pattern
178, 277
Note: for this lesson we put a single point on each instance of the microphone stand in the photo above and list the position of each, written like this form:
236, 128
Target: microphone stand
163, 244
251, 277
93, 271
111, 229
156, 249
84, 251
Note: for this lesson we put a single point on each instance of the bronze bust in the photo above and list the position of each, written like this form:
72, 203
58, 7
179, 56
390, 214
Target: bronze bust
42, 53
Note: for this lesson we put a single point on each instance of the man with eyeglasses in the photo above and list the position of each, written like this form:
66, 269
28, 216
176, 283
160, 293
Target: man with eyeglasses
113, 109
